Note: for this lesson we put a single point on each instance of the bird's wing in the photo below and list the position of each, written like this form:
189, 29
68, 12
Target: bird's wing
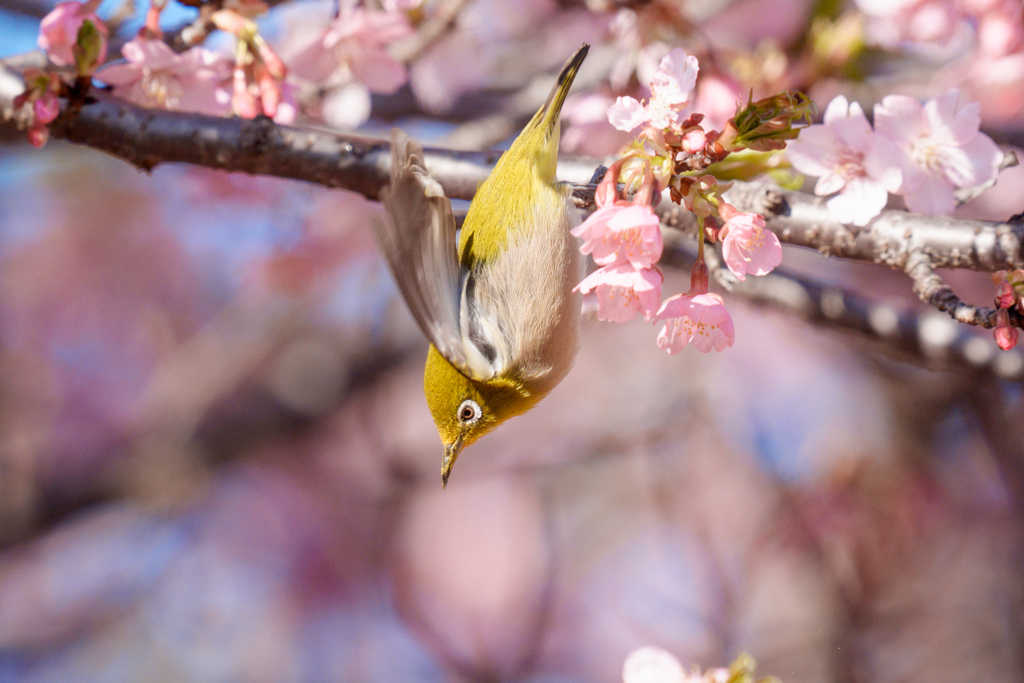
417, 236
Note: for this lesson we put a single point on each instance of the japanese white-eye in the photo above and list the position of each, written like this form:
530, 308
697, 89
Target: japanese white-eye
499, 310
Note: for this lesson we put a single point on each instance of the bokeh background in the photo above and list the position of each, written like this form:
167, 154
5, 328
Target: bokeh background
217, 464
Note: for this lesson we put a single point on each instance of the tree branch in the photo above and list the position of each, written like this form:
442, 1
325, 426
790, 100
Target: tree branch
890, 239
914, 243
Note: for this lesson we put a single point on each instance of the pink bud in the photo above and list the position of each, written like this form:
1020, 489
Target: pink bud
38, 135
1004, 295
46, 108
1006, 335
694, 141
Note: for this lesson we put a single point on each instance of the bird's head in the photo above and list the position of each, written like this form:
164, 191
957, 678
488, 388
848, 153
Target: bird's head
464, 410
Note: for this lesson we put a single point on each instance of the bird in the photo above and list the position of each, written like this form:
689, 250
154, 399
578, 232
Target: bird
498, 307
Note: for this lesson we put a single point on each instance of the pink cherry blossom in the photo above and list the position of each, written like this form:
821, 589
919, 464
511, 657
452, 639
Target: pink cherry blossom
671, 87
623, 291
942, 146
58, 32
156, 76
354, 48
675, 78
1006, 335
748, 247
697, 318
622, 232
849, 158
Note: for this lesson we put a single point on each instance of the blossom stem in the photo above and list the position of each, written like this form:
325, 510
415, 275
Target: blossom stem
700, 242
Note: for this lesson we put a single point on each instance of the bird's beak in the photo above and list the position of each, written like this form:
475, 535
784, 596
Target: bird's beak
451, 453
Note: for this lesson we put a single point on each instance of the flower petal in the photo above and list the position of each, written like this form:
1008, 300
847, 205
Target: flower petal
627, 114
861, 200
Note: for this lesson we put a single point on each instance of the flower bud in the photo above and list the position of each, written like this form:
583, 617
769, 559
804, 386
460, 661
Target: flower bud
46, 108
38, 135
766, 124
694, 141
1006, 335
1004, 295
89, 49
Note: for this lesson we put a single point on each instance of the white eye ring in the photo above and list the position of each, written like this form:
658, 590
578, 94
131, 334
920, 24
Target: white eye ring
469, 412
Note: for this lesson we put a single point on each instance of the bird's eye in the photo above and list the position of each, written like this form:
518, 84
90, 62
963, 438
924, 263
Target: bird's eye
469, 412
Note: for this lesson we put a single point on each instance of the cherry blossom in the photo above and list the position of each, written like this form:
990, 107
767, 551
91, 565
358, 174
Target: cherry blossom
849, 158
747, 246
156, 76
354, 46
622, 232
58, 31
675, 78
671, 87
697, 318
623, 291
942, 146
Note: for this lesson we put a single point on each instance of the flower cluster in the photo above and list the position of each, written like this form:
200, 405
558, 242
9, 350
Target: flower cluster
1009, 294
624, 238
72, 36
41, 90
624, 235
922, 152
348, 56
